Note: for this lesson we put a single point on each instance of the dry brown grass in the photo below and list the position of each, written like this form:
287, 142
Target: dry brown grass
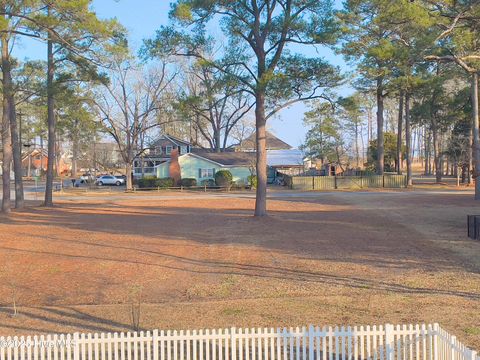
343, 258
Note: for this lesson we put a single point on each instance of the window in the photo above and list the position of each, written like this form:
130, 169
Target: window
206, 173
183, 150
168, 149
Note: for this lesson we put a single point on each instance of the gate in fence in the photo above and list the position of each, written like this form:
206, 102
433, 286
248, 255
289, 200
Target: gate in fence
384, 342
346, 182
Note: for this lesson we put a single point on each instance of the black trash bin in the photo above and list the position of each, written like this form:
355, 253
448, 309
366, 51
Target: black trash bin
473, 224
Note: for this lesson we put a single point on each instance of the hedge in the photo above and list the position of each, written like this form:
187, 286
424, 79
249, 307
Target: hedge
223, 178
147, 182
188, 182
165, 182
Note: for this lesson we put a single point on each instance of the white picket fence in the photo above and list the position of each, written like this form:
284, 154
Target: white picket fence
384, 342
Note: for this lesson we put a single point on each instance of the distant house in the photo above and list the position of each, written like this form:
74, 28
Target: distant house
273, 143
159, 152
203, 164
35, 161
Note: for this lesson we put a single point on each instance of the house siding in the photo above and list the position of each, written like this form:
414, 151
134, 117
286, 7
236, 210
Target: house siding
163, 170
190, 166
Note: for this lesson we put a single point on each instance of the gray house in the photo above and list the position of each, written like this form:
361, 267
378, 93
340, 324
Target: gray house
158, 153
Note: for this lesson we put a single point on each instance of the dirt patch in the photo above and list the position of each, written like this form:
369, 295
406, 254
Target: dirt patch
336, 258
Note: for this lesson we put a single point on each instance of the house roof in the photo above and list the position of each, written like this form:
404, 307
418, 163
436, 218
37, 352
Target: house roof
285, 158
273, 142
34, 152
227, 158
173, 139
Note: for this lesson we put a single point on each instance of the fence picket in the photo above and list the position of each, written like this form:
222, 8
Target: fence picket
383, 342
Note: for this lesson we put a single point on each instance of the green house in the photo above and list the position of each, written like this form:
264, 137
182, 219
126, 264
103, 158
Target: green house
202, 165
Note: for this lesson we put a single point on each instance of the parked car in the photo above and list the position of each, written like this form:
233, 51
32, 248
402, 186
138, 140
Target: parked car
109, 180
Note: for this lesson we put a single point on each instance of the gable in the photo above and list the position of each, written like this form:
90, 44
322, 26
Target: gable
273, 143
167, 140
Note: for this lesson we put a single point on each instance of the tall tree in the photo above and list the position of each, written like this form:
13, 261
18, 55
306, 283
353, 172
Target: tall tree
261, 34
9, 27
353, 113
215, 101
6, 135
324, 139
367, 42
73, 33
129, 104
75, 36
458, 42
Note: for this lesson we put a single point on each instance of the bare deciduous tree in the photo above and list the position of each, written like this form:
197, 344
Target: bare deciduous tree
129, 105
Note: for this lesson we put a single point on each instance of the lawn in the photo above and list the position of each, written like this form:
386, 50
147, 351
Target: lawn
327, 259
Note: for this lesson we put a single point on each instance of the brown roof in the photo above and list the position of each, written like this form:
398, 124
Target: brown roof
273, 143
227, 158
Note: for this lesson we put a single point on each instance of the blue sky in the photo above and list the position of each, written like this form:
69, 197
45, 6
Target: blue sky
143, 17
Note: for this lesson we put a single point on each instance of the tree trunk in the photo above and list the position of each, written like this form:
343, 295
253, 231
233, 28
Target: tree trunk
436, 152
399, 134
476, 140
427, 150
218, 142
357, 150
51, 125
6, 139
261, 153
74, 156
128, 174
408, 140
470, 156
380, 121
8, 93
41, 155
369, 130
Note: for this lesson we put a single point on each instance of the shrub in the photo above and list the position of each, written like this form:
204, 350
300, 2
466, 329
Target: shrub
253, 181
165, 182
238, 185
188, 182
208, 182
223, 178
147, 182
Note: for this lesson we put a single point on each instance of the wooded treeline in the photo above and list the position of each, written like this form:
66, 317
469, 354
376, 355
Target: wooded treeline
414, 68
416, 61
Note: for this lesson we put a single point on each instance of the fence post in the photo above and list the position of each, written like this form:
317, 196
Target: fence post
389, 341
76, 344
473, 355
311, 339
155, 344
336, 187
233, 343
435, 341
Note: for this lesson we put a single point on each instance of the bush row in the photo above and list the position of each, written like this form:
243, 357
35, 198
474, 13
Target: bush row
153, 182
222, 178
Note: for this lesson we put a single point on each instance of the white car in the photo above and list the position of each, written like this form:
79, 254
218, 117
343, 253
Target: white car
109, 180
